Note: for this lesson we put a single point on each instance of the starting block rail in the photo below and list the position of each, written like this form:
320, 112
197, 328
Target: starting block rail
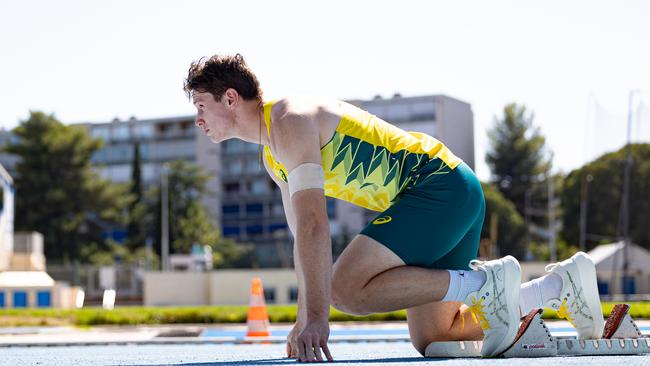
621, 336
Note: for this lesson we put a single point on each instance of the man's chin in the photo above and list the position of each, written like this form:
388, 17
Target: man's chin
215, 139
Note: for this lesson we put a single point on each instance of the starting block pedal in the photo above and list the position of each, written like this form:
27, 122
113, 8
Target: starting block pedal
621, 336
533, 339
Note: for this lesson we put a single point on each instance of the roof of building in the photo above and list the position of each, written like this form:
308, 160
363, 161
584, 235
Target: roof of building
608, 257
25, 279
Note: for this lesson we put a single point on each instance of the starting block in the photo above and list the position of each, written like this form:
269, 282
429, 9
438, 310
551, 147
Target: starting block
621, 336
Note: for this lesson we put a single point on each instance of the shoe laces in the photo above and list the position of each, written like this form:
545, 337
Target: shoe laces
550, 267
475, 264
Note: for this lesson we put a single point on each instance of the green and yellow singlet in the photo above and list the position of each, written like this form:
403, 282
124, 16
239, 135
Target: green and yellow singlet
368, 161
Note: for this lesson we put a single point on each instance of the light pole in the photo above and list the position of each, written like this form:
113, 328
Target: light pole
164, 217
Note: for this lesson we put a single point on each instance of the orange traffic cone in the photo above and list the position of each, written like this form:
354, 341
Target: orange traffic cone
258, 318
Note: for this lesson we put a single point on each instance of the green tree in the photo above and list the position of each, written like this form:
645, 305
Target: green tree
189, 220
510, 226
137, 209
516, 156
603, 197
57, 191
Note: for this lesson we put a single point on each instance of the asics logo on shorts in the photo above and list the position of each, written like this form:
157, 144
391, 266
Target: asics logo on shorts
382, 220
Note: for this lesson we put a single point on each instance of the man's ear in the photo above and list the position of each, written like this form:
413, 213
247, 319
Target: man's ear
232, 97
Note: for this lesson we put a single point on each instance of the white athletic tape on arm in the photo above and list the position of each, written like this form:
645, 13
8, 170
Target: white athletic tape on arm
306, 176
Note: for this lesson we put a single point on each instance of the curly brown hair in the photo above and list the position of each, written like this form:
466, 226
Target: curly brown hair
218, 73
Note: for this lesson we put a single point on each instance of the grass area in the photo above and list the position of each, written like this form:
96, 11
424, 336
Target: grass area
207, 315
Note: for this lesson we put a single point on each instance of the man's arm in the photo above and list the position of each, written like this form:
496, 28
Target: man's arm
291, 221
295, 139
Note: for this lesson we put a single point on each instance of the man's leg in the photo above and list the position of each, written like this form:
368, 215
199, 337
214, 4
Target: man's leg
441, 322
368, 277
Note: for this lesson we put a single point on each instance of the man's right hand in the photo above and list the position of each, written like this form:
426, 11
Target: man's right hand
292, 341
312, 339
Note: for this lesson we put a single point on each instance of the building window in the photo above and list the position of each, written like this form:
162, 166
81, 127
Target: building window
143, 131
101, 132
100, 156
231, 230
43, 299
423, 111
2, 299
231, 187
252, 147
20, 299
230, 210
232, 146
254, 209
186, 128
269, 295
233, 167
603, 288
119, 153
119, 173
397, 112
252, 166
254, 229
258, 187
293, 294
376, 109
121, 133
278, 226
276, 209
150, 172
173, 149
629, 286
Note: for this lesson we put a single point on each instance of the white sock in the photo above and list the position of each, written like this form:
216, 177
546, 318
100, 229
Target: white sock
462, 283
535, 293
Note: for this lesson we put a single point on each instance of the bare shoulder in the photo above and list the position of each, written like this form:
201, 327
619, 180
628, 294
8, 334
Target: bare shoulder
292, 106
292, 119
295, 132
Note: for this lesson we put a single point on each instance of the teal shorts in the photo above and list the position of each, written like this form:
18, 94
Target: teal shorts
436, 221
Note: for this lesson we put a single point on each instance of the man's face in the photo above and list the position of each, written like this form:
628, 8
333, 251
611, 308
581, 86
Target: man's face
211, 116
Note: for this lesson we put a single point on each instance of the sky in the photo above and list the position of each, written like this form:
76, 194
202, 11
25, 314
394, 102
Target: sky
573, 64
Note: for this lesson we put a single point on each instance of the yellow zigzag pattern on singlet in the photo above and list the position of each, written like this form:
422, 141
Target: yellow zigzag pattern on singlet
368, 162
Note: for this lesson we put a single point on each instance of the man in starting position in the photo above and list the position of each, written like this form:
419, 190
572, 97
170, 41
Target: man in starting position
418, 254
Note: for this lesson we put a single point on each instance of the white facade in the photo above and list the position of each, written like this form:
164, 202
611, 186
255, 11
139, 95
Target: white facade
223, 287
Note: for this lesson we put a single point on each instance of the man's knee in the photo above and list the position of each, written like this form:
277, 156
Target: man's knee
346, 295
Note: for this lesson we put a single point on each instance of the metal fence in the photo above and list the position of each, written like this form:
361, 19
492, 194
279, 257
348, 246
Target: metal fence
126, 280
